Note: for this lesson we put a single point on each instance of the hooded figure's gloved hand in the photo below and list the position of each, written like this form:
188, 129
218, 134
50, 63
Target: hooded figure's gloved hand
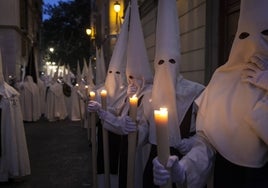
93, 106
161, 174
131, 90
120, 125
256, 73
185, 145
130, 126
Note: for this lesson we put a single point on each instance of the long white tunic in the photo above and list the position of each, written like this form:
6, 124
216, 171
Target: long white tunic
14, 159
55, 103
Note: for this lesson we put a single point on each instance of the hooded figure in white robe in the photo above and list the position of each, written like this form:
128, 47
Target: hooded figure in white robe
55, 103
77, 103
116, 86
233, 112
170, 89
14, 157
42, 95
139, 77
30, 100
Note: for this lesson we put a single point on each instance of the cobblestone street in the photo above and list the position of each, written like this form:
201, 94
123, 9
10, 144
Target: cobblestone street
59, 155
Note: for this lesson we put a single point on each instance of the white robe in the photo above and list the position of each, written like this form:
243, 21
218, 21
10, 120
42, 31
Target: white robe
30, 100
14, 159
77, 104
42, 94
55, 103
143, 148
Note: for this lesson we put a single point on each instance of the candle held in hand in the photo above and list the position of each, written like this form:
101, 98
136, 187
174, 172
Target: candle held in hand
103, 99
86, 90
161, 123
92, 95
133, 101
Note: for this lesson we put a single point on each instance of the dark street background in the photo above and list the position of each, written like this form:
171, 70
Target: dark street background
59, 155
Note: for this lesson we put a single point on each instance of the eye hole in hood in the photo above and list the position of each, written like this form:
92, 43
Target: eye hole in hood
265, 32
161, 61
243, 35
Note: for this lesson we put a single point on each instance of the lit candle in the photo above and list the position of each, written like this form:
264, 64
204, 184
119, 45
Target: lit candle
105, 141
132, 139
92, 95
86, 90
103, 99
94, 148
161, 123
133, 101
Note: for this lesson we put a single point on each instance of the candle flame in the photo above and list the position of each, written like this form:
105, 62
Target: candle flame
163, 109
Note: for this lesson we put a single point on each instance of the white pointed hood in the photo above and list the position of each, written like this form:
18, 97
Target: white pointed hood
137, 60
90, 75
5, 89
78, 73
234, 113
252, 26
100, 66
115, 82
166, 63
85, 71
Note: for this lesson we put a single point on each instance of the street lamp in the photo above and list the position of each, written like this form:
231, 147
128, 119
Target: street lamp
51, 50
88, 32
117, 7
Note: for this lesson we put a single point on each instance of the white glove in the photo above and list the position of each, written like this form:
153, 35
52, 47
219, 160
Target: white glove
130, 126
178, 174
256, 73
131, 90
93, 106
185, 145
162, 175
119, 125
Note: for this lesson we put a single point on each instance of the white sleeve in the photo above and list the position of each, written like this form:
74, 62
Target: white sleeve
113, 123
199, 162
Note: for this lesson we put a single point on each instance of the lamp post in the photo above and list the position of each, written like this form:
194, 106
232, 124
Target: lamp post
117, 8
91, 33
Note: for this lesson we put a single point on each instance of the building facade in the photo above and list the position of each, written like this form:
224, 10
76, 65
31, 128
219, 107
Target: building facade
20, 22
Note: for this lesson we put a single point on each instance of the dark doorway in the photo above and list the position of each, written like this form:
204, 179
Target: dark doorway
228, 19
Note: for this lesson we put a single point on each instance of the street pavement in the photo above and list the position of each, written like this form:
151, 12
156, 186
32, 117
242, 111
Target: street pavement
60, 156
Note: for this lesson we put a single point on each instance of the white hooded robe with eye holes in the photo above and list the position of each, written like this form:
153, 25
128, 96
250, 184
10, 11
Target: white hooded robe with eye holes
14, 158
227, 107
139, 69
116, 86
233, 114
170, 89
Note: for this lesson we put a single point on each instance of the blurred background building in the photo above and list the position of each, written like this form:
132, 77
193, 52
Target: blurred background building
20, 23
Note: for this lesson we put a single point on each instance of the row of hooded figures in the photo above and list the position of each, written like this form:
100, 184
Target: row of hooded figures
217, 136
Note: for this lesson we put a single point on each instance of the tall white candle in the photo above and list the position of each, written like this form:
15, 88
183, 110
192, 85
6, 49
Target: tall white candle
132, 140
86, 90
103, 99
92, 95
105, 143
161, 123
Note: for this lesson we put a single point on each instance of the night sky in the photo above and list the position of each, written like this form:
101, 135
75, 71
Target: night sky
52, 2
